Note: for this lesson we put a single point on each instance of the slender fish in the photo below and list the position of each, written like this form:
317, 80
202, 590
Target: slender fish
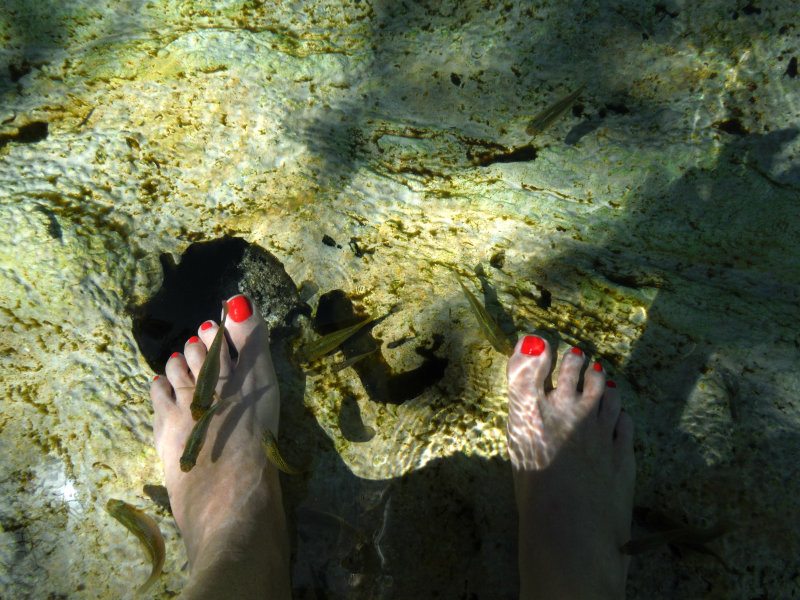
196, 438
270, 446
331, 341
352, 360
491, 330
159, 495
209, 373
549, 115
694, 538
144, 528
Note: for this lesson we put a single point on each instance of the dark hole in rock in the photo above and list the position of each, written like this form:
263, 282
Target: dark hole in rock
27, 134
498, 259
17, 72
662, 10
546, 299
193, 291
732, 126
618, 108
751, 9
32, 132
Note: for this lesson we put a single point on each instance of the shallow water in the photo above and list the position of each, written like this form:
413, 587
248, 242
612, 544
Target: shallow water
654, 224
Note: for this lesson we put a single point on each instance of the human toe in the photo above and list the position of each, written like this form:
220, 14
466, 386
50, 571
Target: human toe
528, 369
244, 321
570, 373
208, 332
163, 404
610, 407
177, 371
194, 351
161, 395
594, 386
529, 365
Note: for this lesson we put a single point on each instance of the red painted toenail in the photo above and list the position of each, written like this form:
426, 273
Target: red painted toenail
155, 378
611, 384
174, 354
576, 350
193, 340
239, 308
598, 367
532, 345
206, 325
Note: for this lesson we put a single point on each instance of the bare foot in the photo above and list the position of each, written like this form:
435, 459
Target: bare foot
572, 457
228, 507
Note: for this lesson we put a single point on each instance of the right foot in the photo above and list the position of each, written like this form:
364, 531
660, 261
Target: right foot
572, 458
229, 506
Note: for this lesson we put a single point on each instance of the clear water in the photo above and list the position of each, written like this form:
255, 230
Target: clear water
654, 224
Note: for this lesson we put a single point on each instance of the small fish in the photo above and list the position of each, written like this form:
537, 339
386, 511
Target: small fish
159, 495
144, 528
352, 360
207, 379
331, 341
400, 342
314, 518
694, 538
196, 438
549, 115
704, 549
491, 330
86, 118
270, 446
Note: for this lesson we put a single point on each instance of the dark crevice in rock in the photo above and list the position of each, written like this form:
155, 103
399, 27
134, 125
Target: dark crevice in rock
732, 126
525, 153
791, 68
17, 72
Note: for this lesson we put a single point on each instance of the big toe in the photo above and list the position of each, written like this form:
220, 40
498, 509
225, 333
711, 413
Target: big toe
244, 322
529, 367
254, 374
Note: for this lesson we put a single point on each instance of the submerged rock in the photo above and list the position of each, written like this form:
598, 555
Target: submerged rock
192, 290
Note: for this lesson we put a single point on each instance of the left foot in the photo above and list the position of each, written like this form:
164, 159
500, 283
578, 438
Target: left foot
572, 457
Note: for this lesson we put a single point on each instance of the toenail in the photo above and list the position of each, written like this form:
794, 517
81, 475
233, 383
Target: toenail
174, 354
193, 340
576, 350
598, 367
239, 308
206, 325
155, 378
610, 384
532, 345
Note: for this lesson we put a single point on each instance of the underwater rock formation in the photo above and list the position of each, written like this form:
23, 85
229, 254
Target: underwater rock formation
372, 147
192, 290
